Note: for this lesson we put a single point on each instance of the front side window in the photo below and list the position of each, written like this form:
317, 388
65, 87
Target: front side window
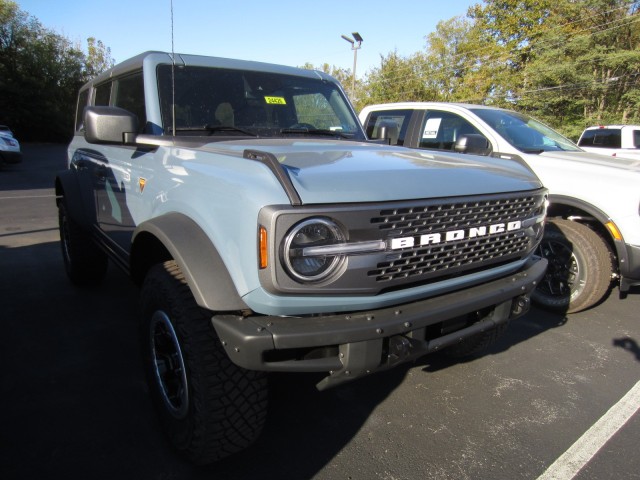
102, 95
396, 122
441, 130
83, 99
128, 93
636, 138
210, 101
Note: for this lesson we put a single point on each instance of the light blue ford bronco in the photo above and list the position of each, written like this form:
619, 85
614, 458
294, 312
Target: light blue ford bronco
267, 234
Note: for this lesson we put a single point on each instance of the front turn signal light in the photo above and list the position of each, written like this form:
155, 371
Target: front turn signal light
614, 230
263, 259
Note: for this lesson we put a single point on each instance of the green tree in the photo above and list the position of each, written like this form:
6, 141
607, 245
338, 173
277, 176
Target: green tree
40, 73
396, 79
344, 76
586, 71
98, 58
459, 62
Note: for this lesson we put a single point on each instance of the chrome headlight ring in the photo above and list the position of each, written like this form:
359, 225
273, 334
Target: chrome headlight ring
307, 254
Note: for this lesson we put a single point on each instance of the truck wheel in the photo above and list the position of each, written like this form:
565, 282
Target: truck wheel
579, 271
476, 344
84, 262
208, 406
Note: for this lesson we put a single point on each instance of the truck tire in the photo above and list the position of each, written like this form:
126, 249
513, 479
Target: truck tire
579, 271
84, 262
208, 406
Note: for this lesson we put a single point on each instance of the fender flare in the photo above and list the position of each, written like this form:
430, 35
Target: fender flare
198, 259
600, 216
582, 205
67, 185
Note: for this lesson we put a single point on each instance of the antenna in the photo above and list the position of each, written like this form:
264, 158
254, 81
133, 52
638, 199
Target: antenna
173, 80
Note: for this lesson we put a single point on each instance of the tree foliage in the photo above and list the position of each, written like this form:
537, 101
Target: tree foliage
570, 63
40, 73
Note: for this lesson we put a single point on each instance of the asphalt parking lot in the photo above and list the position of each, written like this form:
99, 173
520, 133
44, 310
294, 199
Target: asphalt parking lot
75, 406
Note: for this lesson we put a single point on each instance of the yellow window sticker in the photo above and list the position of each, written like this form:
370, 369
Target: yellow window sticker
275, 100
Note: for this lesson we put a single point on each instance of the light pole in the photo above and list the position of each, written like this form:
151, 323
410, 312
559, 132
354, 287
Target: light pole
355, 42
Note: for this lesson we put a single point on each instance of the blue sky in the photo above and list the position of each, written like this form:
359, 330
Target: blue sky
277, 31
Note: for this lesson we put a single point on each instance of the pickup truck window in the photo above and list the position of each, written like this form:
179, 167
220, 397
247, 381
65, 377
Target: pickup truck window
602, 137
441, 130
396, 122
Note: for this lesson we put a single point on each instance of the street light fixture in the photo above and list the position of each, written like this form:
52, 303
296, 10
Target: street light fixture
355, 42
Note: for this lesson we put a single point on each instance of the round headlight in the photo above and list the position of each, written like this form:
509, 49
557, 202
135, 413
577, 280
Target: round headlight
302, 259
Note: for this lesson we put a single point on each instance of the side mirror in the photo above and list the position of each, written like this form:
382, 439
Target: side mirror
472, 143
110, 125
388, 131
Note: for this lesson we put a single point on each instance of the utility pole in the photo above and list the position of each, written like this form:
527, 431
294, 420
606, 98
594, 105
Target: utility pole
355, 42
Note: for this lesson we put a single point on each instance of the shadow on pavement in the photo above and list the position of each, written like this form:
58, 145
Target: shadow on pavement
75, 401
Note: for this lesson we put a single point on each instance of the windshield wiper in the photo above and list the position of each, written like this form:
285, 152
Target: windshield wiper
216, 128
314, 131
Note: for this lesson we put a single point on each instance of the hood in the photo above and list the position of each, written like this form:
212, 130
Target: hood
327, 171
595, 160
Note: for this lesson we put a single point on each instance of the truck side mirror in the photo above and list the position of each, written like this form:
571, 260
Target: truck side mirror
109, 125
472, 143
388, 131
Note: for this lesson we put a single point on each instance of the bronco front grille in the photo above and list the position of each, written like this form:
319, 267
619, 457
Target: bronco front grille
434, 218
395, 245
421, 262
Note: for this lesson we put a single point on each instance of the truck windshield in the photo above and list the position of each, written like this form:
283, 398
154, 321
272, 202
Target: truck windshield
226, 102
525, 133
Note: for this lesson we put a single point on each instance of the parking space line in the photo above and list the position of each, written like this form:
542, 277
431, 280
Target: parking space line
578, 455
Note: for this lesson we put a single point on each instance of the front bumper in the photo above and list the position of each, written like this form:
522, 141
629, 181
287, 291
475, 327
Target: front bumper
351, 345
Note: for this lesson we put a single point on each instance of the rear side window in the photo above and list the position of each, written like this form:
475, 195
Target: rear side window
396, 122
602, 137
636, 138
441, 130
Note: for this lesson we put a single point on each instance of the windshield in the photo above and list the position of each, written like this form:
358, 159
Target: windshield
525, 133
224, 102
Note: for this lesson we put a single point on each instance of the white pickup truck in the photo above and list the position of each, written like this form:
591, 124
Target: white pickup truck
614, 140
593, 230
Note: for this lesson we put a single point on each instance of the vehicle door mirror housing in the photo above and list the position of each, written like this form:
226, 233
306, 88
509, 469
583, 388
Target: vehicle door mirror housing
472, 143
388, 133
109, 125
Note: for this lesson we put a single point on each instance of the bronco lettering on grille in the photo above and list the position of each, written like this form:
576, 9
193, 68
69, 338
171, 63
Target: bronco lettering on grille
454, 235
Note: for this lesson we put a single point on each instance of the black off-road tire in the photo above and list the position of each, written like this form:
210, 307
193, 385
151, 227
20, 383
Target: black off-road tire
209, 407
580, 267
84, 262
476, 344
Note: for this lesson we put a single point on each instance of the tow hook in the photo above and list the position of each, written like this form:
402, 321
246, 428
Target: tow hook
399, 348
520, 306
